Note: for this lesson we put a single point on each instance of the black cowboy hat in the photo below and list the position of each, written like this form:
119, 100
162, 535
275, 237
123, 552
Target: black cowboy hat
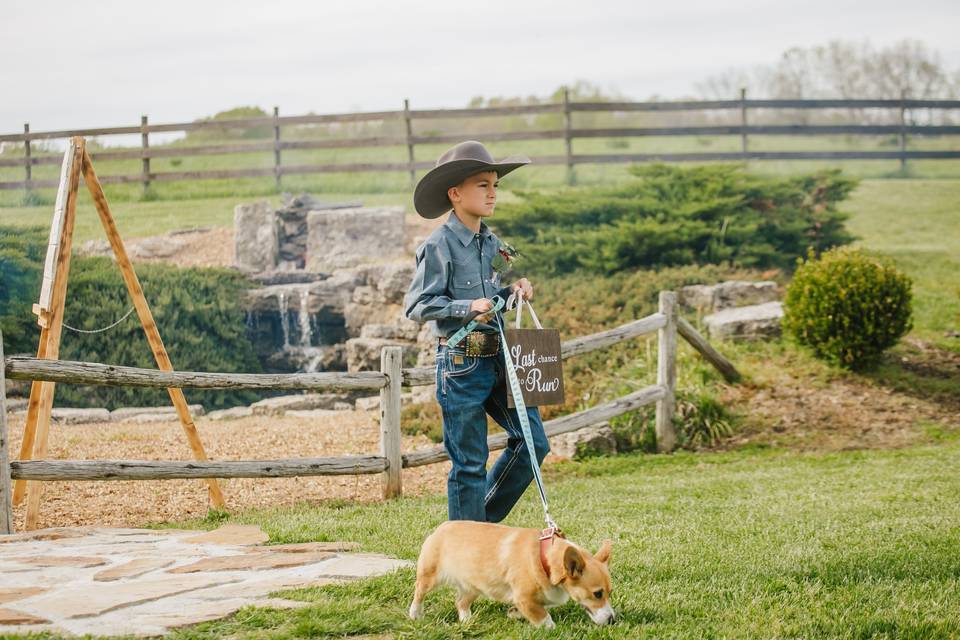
456, 164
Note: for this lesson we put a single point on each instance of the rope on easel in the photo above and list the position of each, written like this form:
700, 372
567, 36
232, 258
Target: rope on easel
125, 316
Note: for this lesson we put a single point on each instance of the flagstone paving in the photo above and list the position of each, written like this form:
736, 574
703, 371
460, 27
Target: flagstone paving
143, 582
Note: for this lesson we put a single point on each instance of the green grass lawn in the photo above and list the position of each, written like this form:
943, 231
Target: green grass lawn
136, 219
748, 544
917, 223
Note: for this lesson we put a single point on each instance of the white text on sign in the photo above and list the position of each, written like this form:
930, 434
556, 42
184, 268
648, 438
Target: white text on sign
528, 371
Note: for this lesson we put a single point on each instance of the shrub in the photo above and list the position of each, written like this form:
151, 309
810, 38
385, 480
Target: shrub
22, 250
582, 303
423, 417
635, 430
197, 311
235, 132
848, 306
700, 420
677, 216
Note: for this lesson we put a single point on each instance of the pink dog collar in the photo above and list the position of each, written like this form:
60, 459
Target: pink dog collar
546, 539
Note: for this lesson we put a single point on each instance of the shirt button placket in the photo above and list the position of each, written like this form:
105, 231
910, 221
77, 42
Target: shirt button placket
480, 256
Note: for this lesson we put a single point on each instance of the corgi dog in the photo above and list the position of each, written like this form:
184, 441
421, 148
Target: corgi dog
523, 567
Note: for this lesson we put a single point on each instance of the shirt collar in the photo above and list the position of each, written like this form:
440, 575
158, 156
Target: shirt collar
464, 234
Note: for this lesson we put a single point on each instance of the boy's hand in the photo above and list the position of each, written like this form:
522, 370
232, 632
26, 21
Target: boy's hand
524, 285
482, 304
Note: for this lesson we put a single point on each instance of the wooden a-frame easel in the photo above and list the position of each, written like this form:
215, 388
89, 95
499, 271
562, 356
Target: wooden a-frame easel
49, 311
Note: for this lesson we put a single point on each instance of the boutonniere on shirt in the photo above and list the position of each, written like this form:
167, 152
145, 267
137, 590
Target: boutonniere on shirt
503, 261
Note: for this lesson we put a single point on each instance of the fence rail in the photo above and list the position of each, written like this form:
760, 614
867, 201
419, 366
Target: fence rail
389, 380
65, 470
568, 134
72, 372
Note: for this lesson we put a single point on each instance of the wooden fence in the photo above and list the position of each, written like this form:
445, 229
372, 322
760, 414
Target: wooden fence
407, 116
389, 380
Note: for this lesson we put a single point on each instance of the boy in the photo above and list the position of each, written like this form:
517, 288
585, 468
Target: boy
455, 276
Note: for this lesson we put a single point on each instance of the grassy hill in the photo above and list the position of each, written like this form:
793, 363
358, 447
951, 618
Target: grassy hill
915, 222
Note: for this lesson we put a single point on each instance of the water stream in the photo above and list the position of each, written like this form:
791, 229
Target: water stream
298, 339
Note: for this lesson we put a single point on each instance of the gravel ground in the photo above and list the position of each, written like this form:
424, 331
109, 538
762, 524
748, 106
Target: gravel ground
136, 503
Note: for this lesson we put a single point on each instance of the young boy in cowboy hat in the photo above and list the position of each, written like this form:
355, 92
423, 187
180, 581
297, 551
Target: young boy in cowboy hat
454, 277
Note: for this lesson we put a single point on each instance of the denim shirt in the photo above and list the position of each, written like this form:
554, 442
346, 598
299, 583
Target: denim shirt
454, 268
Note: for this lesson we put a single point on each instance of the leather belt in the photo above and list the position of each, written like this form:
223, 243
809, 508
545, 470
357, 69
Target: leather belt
478, 344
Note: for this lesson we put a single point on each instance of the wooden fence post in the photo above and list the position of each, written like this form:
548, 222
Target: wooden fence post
408, 121
667, 373
6, 501
391, 358
27, 162
568, 141
276, 147
743, 122
903, 131
145, 147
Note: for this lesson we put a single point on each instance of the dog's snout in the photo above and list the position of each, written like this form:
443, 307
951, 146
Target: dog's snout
606, 615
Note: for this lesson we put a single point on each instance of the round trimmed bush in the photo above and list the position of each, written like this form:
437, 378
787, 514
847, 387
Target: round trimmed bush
847, 306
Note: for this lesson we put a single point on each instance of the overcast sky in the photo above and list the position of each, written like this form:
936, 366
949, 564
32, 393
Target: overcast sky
103, 63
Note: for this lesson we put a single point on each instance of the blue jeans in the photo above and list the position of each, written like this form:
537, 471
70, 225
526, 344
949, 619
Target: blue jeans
467, 392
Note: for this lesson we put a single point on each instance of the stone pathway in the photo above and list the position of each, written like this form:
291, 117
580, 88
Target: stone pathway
144, 582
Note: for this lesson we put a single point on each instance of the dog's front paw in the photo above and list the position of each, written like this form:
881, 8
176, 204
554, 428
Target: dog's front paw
514, 613
547, 623
415, 611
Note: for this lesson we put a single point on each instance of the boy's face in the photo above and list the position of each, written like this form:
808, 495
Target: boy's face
477, 195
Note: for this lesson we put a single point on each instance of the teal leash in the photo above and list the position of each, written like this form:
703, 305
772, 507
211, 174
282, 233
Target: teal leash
454, 340
461, 333
524, 423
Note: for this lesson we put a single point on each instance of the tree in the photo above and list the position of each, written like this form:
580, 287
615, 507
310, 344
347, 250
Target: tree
841, 69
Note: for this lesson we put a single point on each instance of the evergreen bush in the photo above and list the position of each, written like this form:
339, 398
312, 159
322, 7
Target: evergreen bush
22, 251
198, 312
199, 315
671, 215
849, 307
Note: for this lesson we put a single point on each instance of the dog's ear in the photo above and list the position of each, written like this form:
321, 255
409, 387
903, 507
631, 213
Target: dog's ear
573, 563
603, 553
557, 570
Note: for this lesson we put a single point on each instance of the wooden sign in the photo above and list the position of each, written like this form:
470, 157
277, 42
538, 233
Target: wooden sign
56, 238
537, 360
